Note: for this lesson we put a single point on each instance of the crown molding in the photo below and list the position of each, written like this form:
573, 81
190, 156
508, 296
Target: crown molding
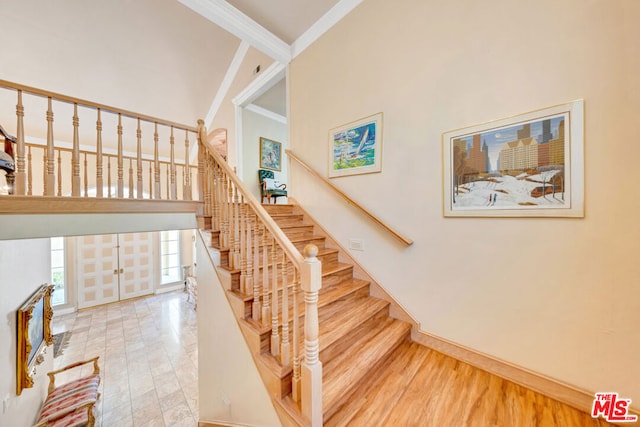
237, 23
322, 25
266, 113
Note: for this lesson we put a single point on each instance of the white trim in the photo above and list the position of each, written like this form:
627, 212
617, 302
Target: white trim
226, 83
322, 25
238, 112
237, 23
261, 84
266, 113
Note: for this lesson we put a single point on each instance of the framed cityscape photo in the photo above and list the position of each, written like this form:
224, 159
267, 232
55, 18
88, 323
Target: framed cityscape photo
530, 165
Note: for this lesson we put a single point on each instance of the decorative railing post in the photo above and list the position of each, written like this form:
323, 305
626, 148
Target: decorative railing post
120, 160
311, 372
50, 177
75, 155
99, 177
21, 176
156, 165
139, 186
186, 194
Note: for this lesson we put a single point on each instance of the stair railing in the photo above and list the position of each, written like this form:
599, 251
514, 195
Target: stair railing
272, 271
61, 168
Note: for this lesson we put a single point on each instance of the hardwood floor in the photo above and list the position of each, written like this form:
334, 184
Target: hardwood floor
421, 387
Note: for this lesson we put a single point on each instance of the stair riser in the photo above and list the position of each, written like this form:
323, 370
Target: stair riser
346, 343
278, 209
336, 278
318, 241
297, 233
372, 368
288, 220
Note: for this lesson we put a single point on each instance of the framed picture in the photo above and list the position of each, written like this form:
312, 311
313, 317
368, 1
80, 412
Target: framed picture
34, 333
356, 148
530, 165
270, 154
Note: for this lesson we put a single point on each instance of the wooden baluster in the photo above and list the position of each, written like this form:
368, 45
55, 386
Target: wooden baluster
243, 248
248, 283
120, 160
59, 173
30, 174
174, 195
75, 154
208, 182
215, 197
20, 182
285, 349
236, 227
266, 303
86, 176
168, 186
109, 177
232, 229
156, 165
311, 371
44, 173
186, 193
295, 381
130, 178
201, 139
257, 306
151, 181
275, 334
139, 162
225, 210
99, 172
50, 177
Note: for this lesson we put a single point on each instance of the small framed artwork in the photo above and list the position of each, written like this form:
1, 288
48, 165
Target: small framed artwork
34, 333
270, 154
356, 148
530, 165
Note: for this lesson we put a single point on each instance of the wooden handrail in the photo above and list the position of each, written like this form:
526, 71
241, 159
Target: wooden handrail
404, 240
292, 252
95, 105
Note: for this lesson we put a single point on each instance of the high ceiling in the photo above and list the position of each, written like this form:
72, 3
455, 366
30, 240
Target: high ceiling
174, 59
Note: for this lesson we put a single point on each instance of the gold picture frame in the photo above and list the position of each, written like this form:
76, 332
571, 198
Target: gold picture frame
34, 333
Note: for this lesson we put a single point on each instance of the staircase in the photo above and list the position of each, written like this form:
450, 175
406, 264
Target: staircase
357, 336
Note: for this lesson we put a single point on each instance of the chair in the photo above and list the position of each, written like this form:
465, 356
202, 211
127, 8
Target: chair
270, 187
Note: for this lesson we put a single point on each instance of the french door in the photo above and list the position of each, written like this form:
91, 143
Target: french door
114, 267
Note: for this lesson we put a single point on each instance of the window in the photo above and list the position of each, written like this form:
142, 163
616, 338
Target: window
57, 271
170, 256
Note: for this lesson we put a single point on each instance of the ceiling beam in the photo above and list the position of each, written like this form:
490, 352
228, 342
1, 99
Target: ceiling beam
237, 23
322, 25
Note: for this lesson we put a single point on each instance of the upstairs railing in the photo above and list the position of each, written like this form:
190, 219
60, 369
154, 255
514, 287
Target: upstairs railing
273, 272
100, 167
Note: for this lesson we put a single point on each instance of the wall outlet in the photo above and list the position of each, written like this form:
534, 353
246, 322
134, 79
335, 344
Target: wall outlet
356, 244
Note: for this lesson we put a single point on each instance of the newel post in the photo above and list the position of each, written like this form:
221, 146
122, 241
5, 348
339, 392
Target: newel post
311, 372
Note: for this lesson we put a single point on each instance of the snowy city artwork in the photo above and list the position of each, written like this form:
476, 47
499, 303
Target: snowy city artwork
530, 165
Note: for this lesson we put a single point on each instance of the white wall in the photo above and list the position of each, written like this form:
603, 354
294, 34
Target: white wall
255, 126
557, 296
20, 278
231, 391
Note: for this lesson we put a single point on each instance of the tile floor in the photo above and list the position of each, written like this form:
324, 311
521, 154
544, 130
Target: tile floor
148, 359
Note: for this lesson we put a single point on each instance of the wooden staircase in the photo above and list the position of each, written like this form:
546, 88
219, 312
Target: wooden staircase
357, 334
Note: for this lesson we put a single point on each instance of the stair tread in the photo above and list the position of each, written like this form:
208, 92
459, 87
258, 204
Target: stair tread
340, 377
339, 318
380, 393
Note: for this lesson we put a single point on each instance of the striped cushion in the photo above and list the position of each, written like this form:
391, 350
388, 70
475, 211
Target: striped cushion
66, 398
77, 418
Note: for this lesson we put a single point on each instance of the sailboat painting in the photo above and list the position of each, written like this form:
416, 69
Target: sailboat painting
356, 148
